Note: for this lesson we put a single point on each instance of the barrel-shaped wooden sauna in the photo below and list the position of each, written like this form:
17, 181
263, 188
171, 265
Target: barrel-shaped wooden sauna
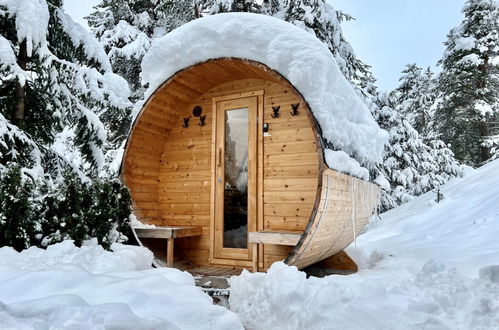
226, 160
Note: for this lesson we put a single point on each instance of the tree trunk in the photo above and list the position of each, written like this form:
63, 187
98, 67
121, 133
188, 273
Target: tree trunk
484, 133
22, 61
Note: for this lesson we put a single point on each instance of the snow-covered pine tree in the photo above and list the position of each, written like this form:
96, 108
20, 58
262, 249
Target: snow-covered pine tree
319, 18
410, 166
127, 28
415, 97
58, 102
468, 106
57, 86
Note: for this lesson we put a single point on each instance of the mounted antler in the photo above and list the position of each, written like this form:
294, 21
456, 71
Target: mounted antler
275, 109
202, 119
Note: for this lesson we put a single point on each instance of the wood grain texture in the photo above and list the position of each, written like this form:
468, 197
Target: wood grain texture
345, 208
273, 237
169, 168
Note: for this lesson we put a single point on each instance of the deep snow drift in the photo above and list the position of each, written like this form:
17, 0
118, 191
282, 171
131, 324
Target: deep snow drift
65, 287
424, 266
296, 54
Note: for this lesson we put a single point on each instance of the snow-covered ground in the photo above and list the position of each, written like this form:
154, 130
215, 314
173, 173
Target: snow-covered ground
424, 266
66, 287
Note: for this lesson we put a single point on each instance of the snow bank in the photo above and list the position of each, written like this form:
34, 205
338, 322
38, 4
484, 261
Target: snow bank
297, 55
461, 230
65, 287
435, 297
425, 266
90, 257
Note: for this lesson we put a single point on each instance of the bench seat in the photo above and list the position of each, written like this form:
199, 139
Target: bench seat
170, 233
274, 237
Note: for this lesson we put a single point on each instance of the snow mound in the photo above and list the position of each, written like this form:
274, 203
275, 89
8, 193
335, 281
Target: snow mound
427, 265
340, 161
460, 231
91, 257
296, 54
65, 287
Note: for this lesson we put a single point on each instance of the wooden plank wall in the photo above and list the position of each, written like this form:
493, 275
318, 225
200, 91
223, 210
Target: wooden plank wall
291, 165
142, 159
346, 205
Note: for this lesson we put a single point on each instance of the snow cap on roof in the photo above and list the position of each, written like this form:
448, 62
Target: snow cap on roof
296, 54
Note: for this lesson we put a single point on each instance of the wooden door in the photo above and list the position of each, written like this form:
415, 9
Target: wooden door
235, 177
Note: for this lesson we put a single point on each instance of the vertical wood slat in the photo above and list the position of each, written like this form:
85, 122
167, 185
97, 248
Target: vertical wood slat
346, 206
173, 171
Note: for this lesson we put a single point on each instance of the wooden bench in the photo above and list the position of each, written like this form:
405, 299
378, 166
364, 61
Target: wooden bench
274, 237
170, 233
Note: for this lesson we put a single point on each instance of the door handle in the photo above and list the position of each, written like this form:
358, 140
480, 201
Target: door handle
219, 180
219, 157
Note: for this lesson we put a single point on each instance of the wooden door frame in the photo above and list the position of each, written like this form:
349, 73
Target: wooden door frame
252, 249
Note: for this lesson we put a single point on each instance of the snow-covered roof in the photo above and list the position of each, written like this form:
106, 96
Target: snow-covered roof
292, 52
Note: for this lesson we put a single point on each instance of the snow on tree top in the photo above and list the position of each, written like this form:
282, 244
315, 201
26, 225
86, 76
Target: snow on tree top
294, 53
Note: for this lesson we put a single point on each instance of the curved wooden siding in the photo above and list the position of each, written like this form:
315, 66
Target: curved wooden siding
167, 190
345, 208
167, 167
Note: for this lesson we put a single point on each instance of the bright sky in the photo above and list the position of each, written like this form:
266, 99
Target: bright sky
387, 34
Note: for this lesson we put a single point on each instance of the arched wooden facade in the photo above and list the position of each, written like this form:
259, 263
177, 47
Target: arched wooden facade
299, 210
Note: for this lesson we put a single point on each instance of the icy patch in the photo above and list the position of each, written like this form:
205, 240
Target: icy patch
344, 119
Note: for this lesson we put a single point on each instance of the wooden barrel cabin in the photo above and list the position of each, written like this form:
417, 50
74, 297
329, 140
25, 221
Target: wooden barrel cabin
227, 158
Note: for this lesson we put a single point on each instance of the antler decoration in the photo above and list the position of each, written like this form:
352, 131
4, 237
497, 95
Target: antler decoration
275, 109
294, 109
201, 120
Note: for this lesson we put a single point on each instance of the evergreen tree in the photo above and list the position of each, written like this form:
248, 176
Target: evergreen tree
410, 166
63, 114
468, 106
415, 97
16, 226
127, 28
419, 171
57, 85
